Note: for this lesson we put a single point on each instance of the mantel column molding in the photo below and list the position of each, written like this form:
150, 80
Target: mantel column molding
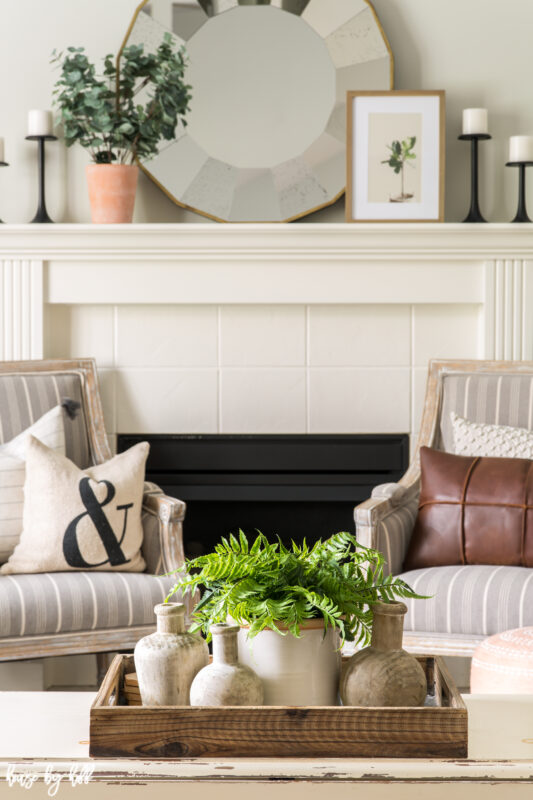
508, 309
21, 309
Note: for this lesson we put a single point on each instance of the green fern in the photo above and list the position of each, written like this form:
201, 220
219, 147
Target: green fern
267, 585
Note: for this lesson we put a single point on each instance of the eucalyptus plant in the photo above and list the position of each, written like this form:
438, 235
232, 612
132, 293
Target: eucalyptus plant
105, 113
268, 585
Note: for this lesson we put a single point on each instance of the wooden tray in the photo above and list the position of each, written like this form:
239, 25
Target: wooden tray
121, 730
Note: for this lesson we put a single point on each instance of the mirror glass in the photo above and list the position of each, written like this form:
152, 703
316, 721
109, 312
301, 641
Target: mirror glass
265, 139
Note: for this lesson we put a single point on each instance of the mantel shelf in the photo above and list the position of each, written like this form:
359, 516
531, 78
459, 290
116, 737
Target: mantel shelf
450, 241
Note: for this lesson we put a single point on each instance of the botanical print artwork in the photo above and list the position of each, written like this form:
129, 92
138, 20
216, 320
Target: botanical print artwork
401, 154
394, 157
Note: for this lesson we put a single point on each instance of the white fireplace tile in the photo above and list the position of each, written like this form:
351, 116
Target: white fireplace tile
166, 336
359, 401
79, 332
263, 401
359, 335
262, 336
166, 401
446, 331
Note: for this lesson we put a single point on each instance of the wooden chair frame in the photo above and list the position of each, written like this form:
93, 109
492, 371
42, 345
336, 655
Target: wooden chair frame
169, 511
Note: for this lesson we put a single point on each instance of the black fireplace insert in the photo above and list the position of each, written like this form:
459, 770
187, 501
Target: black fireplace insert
291, 486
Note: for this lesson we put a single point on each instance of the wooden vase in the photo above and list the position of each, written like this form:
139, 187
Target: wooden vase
384, 674
225, 682
167, 661
112, 189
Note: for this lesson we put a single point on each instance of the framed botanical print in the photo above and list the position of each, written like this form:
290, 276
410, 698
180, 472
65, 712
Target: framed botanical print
395, 156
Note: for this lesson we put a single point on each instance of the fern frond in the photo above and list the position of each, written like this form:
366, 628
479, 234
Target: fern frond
268, 585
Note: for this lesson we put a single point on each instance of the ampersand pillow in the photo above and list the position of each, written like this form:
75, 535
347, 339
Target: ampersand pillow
80, 519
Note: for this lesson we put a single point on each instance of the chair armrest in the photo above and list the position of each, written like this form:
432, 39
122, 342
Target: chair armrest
163, 548
170, 513
394, 492
385, 522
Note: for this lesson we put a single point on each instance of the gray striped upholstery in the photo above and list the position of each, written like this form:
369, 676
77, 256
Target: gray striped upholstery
25, 398
393, 534
63, 602
69, 602
502, 399
497, 399
465, 600
478, 600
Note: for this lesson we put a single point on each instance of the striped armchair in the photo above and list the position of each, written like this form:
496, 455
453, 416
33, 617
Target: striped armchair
53, 614
468, 603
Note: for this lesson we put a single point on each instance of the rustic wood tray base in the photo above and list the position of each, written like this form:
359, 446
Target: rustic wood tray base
119, 730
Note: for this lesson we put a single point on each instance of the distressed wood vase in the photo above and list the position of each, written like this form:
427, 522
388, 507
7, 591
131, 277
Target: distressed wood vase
384, 674
167, 661
225, 682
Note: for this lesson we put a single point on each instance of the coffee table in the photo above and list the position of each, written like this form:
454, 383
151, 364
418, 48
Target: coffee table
52, 729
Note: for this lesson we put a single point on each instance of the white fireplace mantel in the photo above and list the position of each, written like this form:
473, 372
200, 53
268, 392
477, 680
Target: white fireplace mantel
457, 240
490, 265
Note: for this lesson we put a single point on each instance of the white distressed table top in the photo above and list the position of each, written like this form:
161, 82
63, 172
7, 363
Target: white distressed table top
54, 726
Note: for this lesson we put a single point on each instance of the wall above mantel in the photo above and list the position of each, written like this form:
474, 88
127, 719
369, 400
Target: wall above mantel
420, 40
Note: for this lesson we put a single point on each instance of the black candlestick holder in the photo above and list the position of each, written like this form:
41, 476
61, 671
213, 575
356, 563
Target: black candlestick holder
474, 215
521, 214
3, 164
42, 213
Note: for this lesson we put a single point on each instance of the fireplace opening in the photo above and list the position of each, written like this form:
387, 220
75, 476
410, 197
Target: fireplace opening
294, 486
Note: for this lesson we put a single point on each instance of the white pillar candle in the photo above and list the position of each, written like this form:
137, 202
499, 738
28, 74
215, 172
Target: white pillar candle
521, 148
1, 149
475, 120
40, 123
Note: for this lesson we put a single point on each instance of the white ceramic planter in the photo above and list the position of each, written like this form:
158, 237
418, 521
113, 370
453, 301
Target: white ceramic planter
295, 672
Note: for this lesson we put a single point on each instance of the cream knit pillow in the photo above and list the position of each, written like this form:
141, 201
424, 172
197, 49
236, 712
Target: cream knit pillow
50, 430
483, 439
81, 519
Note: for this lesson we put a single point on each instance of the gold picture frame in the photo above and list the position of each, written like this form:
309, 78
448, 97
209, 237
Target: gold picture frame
395, 148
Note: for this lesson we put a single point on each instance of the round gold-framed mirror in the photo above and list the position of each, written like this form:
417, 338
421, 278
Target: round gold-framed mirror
266, 135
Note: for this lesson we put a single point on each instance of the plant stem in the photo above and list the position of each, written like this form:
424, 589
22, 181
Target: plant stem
141, 86
117, 81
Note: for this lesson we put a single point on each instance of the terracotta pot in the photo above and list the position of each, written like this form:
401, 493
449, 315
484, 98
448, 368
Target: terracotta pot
112, 190
295, 672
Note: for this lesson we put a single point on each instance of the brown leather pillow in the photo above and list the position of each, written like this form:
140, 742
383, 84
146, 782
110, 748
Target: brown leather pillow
473, 511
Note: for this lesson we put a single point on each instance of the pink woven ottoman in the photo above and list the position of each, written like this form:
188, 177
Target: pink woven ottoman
503, 664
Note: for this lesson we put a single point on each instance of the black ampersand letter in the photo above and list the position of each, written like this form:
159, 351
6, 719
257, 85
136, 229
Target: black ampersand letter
71, 549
